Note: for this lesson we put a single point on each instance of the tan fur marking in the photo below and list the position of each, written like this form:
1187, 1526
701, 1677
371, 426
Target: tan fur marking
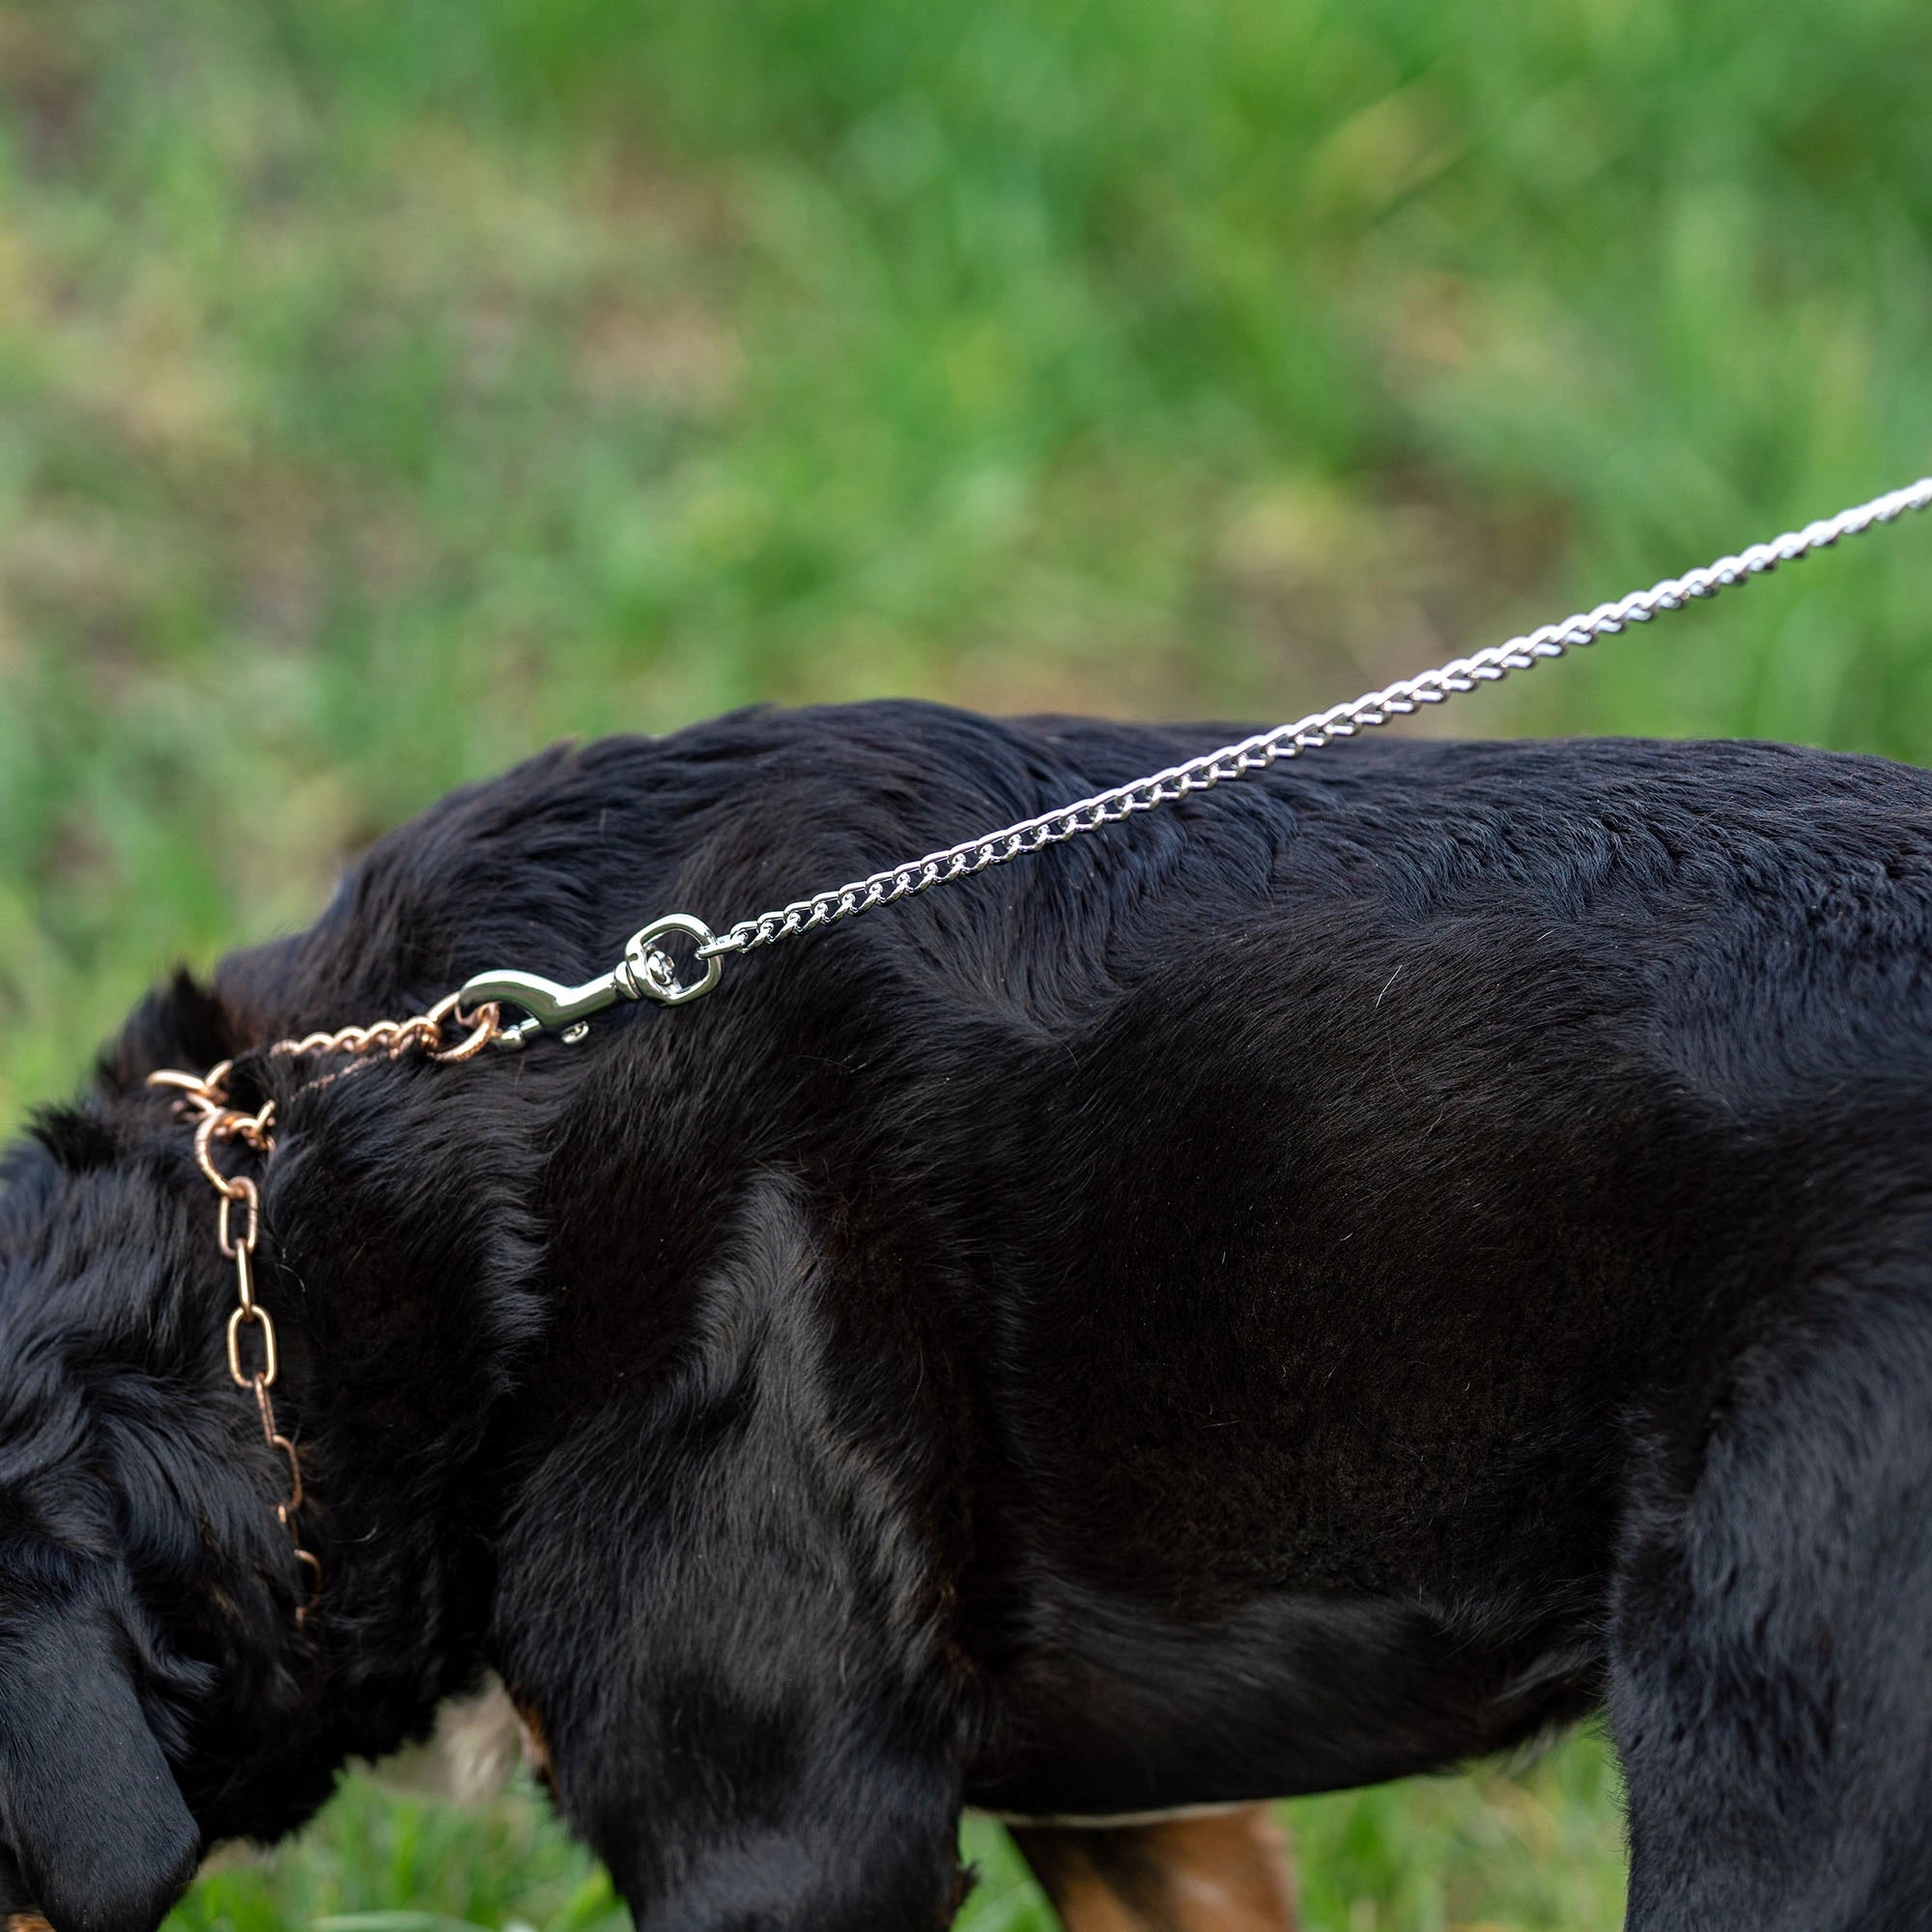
1224, 1873
537, 1747
1086, 1904
27, 1921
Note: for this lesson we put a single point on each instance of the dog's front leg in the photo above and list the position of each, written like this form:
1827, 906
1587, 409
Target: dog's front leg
843, 1827
720, 1603
732, 1723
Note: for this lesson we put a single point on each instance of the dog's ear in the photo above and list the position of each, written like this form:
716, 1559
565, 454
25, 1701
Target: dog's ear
179, 1023
99, 1830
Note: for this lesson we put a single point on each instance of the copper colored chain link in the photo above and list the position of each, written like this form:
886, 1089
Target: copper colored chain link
251, 1330
422, 1034
254, 1357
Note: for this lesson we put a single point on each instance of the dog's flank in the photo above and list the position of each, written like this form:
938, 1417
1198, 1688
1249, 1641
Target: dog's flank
1302, 1289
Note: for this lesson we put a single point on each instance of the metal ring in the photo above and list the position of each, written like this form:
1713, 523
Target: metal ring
638, 950
205, 1132
485, 1024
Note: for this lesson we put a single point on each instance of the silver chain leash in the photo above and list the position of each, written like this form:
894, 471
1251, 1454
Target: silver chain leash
647, 971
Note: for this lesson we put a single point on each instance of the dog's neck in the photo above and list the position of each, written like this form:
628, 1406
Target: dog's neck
402, 1274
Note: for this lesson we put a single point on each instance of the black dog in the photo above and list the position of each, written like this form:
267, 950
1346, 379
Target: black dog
1343, 1274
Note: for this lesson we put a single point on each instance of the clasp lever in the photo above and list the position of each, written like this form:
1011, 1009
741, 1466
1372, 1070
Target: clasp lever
646, 972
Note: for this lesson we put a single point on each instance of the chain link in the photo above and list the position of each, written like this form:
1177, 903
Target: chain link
1306, 734
203, 1099
421, 1033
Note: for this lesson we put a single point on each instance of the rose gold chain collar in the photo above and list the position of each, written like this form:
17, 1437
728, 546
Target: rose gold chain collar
203, 1099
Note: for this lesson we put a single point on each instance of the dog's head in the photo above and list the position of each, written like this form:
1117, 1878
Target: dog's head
139, 1558
158, 1690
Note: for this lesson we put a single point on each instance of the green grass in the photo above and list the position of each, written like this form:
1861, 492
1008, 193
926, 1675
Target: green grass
1538, 1852
388, 387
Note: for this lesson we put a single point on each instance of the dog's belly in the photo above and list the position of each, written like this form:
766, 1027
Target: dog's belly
1115, 1711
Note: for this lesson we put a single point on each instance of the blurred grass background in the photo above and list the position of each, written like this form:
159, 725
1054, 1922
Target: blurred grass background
390, 387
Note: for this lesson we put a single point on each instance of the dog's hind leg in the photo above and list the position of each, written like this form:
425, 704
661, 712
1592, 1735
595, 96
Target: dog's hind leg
1770, 1654
1222, 1872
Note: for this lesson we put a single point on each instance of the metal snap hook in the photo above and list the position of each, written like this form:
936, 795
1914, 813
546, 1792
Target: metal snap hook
548, 1003
646, 972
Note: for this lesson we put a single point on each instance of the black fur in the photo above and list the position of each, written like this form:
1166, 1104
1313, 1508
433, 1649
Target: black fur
1336, 1277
